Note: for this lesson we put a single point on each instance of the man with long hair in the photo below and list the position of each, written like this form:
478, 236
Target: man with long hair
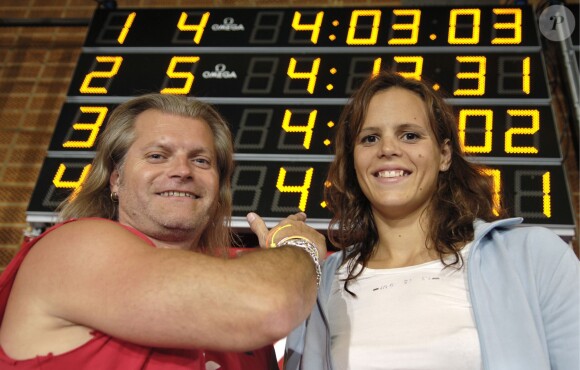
135, 275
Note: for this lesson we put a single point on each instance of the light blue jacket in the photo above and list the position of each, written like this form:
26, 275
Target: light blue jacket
524, 284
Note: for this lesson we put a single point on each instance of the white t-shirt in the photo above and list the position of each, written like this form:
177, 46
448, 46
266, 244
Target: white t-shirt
416, 317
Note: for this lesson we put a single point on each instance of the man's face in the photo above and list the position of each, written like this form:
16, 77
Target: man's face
169, 184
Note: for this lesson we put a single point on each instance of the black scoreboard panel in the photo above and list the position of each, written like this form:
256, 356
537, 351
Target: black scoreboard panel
281, 76
313, 28
496, 133
321, 75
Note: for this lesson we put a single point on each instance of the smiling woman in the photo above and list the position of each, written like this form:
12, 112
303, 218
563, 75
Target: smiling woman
430, 274
397, 156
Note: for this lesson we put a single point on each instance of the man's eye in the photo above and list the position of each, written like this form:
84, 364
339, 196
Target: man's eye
202, 162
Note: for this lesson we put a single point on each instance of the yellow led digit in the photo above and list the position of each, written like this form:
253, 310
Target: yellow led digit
307, 130
496, 178
59, 183
351, 39
547, 197
526, 75
413, 27
464, 114
516, 26
86, 87
92, 127
417, 71
479, 76
302, 189
313, 27
126, 27
197, 28
377, 66
188, 76
534, 114
311, 75
359, 70
452, 37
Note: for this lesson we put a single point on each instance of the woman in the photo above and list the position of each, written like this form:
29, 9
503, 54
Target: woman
430, 275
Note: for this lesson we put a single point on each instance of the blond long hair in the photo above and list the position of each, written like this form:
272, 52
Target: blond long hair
94, 197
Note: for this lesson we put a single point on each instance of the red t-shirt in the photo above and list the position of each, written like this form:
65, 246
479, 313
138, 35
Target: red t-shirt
108, 353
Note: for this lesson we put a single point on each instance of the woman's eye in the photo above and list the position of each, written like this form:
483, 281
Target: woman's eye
410, 136
369, 139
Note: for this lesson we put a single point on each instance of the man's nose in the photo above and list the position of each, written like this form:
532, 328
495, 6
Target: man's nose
181, 166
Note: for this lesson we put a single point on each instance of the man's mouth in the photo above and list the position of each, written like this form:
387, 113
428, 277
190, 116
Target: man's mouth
178, 194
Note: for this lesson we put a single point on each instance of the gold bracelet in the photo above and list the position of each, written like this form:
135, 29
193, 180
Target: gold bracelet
308, 246
272, 244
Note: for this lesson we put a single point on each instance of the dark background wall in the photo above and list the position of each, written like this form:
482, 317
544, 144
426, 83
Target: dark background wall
36, 64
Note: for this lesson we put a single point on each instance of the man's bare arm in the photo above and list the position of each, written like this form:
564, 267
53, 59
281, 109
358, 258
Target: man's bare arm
98, 275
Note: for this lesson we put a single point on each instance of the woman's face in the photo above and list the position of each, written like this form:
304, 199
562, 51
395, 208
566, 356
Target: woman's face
396, 157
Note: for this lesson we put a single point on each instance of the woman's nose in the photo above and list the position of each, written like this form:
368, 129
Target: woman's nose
389, 146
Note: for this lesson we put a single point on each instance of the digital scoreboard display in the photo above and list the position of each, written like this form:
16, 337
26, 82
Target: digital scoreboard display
281, 76
324, 75
425, 26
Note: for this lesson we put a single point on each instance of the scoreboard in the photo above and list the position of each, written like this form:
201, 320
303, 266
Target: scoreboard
281, 76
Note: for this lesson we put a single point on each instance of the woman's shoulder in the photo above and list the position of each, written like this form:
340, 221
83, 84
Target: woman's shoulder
516, 238
333, 260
